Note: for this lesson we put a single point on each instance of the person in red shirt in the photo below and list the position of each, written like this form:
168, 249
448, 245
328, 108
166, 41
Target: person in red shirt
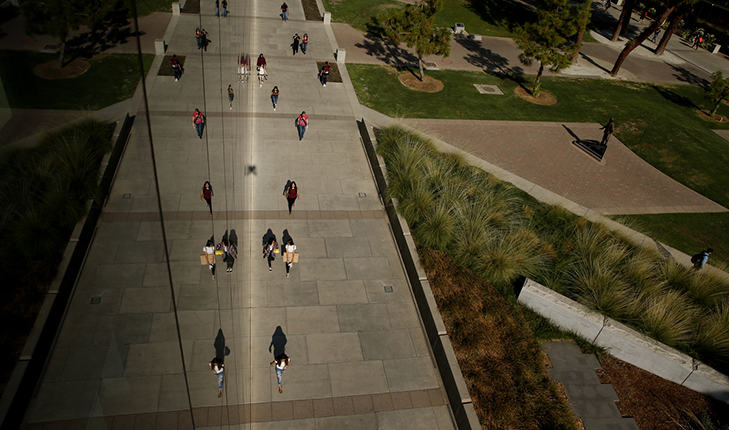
261, 61
207, 194
292, 194
324, 74
302, 123
198, 121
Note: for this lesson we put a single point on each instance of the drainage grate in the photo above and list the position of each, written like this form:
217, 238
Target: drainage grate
388, 289
95, 300
488, 89
363, 194
126, 196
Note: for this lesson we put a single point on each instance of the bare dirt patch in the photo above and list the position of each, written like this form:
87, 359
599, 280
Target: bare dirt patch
655, 403
311, 10
715, 118
545, 98
429, 85
51, 69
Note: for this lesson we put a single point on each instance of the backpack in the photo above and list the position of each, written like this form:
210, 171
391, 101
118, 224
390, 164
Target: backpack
697, 258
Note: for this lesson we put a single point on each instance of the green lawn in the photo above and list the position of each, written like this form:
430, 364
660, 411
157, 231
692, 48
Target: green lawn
110, 79
657, 122
689, 233
145, 7
359, 13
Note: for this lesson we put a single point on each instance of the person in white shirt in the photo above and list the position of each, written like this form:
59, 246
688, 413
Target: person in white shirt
218, 368
290, 249
209, 251
281, 362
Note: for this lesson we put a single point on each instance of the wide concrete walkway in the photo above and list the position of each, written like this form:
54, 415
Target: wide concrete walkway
346, 316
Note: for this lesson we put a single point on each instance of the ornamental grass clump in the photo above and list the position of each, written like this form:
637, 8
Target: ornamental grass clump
712, 334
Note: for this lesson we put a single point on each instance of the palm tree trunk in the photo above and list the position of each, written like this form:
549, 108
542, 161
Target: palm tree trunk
624, 20
716, 106
639, 39
62, 53
535, 90
422, 73
669, 32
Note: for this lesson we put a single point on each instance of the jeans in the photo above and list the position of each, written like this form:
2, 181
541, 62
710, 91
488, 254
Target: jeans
220, 379
230, 98
285, 16
199, 42
302, 129
274, 100
279, 373
178, 72
323, 78
303, 46
225, 12
217, 10
199, 129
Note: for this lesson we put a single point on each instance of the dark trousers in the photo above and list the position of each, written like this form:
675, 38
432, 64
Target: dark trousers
291, 201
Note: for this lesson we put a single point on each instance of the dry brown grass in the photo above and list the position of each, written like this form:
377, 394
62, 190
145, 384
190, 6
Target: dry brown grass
504, 368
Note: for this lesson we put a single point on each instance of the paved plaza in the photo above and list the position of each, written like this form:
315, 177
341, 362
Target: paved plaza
346, 316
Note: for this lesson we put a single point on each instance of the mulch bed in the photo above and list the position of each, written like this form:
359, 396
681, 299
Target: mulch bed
165, 69
655, 403
50, 70
191, 6
545, 98
428, 85
715, 118
334, 75
311, 12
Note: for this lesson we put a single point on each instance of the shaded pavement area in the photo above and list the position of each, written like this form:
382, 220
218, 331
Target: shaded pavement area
543, 153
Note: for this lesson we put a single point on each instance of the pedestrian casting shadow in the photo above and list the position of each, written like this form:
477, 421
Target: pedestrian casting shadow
387, 52
488, 60
285, 237
230, 238
687, 76
278, 342
266, 237
220, 349
591, 146
674, 98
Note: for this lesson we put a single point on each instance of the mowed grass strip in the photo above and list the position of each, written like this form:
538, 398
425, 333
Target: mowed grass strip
111, 78
659, 123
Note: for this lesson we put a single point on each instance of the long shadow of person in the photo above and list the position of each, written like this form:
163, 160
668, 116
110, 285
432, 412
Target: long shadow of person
220, 349
285, 236
233, 237
278, 342
266, 237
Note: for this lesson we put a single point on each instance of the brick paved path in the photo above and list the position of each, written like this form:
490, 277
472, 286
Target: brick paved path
543, 153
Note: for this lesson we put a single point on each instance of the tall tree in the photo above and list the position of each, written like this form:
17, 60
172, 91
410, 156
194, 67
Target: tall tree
416, 28
632, 44
673, 24
55, 18
624, 20
583, 17
717, 90
547, 39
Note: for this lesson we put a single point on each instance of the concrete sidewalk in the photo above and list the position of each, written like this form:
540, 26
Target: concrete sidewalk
346, 316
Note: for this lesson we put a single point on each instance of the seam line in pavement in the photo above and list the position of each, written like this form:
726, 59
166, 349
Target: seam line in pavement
251, 115
240, 215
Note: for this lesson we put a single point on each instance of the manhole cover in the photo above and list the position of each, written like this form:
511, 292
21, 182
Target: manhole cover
448, 61
488, 89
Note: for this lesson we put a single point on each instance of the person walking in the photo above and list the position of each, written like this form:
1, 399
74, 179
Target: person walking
304, 43
261, 76
274, 97
198, 37
282, 363
656, 34
218, 368
205, 40
290, 250
261, 61
224, 3
270, 249
176, 67
198, 121
217, 7
295, 44
324, 74
230, 255
609, 129
699, 260
209, 251
207, 194
302, 123
292, 194
230, 96
285, 12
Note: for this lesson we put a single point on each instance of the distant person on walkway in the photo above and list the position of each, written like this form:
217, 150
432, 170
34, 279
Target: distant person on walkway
198, 121
295, 44
261, 75
225, 8
270, 249
207, 194
230, 254
699, 260
209, 251
230, 96
176, 67
304, 43
285, 12
198, 37
608, 131
656, 34
261, 61
292, 194
290, 250
281, 362
699, 41
643, 15
217, 7
274, 97
302, 123
324, 73
205, 39
218, 368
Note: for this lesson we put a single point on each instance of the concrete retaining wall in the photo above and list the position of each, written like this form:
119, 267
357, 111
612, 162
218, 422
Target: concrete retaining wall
624, 342
450, 373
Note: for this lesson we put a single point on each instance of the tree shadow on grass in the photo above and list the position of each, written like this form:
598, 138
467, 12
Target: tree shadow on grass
506, 13
685, 75
387, 52
674, 98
